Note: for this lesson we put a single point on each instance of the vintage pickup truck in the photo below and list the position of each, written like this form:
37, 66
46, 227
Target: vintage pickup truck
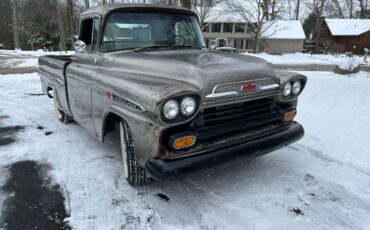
142, 76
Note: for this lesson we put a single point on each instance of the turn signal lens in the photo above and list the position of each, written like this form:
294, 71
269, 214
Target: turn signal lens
289, 116
184, 142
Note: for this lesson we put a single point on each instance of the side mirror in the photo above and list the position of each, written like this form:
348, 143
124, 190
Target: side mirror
80, 46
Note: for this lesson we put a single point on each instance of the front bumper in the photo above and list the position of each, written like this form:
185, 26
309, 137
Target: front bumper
163, 170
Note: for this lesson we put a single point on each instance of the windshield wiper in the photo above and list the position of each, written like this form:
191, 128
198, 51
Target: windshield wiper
196, 47
165, 45
152, 46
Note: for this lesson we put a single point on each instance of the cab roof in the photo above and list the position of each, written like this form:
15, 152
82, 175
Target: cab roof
105, 9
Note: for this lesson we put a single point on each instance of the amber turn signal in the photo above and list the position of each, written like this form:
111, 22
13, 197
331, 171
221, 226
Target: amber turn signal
289, 116
184, 142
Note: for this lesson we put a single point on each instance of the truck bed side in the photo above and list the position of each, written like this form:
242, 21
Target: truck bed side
52, 74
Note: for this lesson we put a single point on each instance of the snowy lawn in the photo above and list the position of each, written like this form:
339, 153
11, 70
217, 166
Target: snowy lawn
320, 182
24, 59
35, 54
308, 59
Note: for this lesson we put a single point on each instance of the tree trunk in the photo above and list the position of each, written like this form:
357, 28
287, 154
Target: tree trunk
297, 9
60, 27
87, 4
255, 44
265, 7
70, 21
15, 25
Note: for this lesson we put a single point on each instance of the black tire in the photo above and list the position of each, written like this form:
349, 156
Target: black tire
133, 172
61, 115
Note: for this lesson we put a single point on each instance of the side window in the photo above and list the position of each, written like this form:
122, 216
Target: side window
86, 33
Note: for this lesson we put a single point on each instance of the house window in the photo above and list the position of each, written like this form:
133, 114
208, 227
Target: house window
239, 28
205, 29
228, 28
239, 43
216, 28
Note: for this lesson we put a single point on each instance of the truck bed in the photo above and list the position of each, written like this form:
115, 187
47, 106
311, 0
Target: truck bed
52, 74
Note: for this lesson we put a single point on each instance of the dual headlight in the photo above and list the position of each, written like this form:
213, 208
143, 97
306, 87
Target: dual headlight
292, 88
185, 106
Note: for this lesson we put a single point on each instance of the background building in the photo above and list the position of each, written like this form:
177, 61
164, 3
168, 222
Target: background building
229, 34
345, 35
281, 36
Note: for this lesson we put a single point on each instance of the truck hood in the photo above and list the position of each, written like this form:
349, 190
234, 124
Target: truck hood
202, 69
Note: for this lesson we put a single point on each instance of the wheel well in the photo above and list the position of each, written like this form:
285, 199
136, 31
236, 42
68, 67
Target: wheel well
109, 124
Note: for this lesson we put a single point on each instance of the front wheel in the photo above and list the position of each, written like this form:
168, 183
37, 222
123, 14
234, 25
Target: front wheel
133, 172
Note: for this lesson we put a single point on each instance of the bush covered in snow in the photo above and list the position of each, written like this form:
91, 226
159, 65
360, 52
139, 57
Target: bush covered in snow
348, 65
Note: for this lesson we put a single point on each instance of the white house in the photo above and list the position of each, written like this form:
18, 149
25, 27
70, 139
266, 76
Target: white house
283, 36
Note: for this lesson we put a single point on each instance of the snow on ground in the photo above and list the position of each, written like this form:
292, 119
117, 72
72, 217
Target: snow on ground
24, 59
37, 53
307, 59
20, 62
320, 182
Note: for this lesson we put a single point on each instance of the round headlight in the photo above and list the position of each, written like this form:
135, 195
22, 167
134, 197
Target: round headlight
171, 109
187, 106
297, 86
287, 89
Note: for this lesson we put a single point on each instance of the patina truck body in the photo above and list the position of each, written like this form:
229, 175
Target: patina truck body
236, 105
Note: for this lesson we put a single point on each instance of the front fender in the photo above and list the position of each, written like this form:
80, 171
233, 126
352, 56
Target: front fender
145, 133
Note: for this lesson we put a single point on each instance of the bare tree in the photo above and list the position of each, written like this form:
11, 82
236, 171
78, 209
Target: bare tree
257, 13
70, 20
186, 3
349, 4
333, 9
15, 24
294, 8
60, 26
87, 4
204, 8
297, 9
363, 5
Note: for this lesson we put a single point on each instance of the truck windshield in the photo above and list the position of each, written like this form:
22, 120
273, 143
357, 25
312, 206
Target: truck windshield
133, 30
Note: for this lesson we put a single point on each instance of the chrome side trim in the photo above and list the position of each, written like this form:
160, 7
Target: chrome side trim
224, 94
270, 87
128, 103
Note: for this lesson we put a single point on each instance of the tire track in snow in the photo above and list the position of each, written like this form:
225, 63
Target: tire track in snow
320, 155
191, 199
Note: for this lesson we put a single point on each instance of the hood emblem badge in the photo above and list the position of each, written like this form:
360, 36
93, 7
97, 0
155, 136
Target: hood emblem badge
248, 87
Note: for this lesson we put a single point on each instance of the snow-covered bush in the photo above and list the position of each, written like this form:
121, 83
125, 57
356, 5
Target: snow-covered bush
348, 65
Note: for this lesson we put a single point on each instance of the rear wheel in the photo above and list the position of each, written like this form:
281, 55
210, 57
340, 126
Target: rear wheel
61, 115
133, 172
